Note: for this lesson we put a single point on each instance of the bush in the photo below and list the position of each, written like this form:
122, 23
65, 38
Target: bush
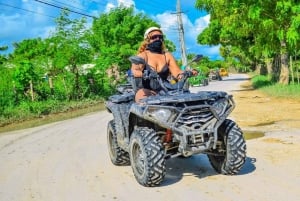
260, 81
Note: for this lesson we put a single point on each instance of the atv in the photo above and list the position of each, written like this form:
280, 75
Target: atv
173, 123
199, 80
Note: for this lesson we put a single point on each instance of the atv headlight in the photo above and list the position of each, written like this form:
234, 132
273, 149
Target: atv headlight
162, 114
220, 106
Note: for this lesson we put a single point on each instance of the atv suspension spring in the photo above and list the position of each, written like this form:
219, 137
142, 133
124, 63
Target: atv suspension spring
168, 135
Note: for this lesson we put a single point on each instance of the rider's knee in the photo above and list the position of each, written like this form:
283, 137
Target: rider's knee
143, 93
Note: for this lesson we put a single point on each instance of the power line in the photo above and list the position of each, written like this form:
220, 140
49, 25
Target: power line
26, 10
56, 6
69, 5
101, 3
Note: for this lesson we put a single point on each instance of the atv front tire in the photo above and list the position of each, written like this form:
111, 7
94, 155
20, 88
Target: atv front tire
230, 162
147, 157
117, 155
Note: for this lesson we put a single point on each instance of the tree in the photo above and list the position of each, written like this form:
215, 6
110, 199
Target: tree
69, 48
260, 29
2, 57
6, 88
118, 34
23, 77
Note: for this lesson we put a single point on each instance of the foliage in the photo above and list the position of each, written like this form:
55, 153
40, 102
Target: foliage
75, 62
6, 88
260, 81
3, 58
249, 32
72, 49
253, 31
24, 74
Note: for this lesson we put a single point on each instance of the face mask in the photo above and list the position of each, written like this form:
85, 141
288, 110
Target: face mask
155, 47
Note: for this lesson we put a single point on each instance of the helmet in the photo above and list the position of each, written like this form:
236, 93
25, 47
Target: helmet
149, 30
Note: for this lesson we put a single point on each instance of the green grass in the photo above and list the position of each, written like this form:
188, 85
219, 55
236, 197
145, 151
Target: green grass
283, 91
31, 120
259, 81
264, 84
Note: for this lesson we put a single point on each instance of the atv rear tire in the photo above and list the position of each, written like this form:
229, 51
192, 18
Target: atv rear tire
117, 155
147, 157
234, 158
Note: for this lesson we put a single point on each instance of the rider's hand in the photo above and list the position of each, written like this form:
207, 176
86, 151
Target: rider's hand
195, 72
188, 73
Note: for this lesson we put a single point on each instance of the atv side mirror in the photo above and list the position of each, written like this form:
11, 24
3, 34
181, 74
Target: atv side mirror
136, 60
197, 58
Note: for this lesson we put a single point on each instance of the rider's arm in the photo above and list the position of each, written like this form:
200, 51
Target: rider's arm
137, 69
174, 68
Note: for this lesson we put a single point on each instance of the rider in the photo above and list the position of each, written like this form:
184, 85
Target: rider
158, 59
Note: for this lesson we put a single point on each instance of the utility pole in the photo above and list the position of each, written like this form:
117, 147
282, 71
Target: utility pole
181, 34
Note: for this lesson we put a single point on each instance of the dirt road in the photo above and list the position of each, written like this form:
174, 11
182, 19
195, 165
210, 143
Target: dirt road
68, 161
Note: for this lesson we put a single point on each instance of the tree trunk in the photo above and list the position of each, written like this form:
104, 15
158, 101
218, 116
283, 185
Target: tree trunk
269, 66
276, 64
284, 72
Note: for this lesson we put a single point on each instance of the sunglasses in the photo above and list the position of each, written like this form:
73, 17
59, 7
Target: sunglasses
159, 36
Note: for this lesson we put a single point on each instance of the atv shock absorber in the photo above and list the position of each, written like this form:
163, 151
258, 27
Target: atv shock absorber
168, 135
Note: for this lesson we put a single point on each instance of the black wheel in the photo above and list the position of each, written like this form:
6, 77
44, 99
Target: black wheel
207, 81
147, 157
117, 155
229, 158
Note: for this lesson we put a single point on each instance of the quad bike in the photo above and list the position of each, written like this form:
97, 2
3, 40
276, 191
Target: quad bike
214, 75
173, 123
199, 80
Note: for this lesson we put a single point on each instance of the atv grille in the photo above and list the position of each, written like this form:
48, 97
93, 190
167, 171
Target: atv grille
194, 119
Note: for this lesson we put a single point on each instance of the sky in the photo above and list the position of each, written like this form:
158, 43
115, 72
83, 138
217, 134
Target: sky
25, 19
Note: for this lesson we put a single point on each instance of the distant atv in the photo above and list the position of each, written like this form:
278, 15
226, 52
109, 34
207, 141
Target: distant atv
174, 123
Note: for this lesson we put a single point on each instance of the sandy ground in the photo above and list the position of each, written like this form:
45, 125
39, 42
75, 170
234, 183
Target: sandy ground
68, 160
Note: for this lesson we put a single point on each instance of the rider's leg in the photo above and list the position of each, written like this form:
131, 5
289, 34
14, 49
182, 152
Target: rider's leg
143, 93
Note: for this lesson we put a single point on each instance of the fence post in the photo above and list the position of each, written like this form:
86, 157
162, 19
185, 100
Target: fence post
31, 90
292, 71
51, 85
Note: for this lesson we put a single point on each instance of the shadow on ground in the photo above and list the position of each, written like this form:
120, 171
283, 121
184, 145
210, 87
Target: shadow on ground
197, 166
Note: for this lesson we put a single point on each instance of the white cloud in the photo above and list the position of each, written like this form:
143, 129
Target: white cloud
126, 3
202, 23
109, 6
167, 21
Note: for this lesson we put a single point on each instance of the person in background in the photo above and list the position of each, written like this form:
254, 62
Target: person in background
158, 59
